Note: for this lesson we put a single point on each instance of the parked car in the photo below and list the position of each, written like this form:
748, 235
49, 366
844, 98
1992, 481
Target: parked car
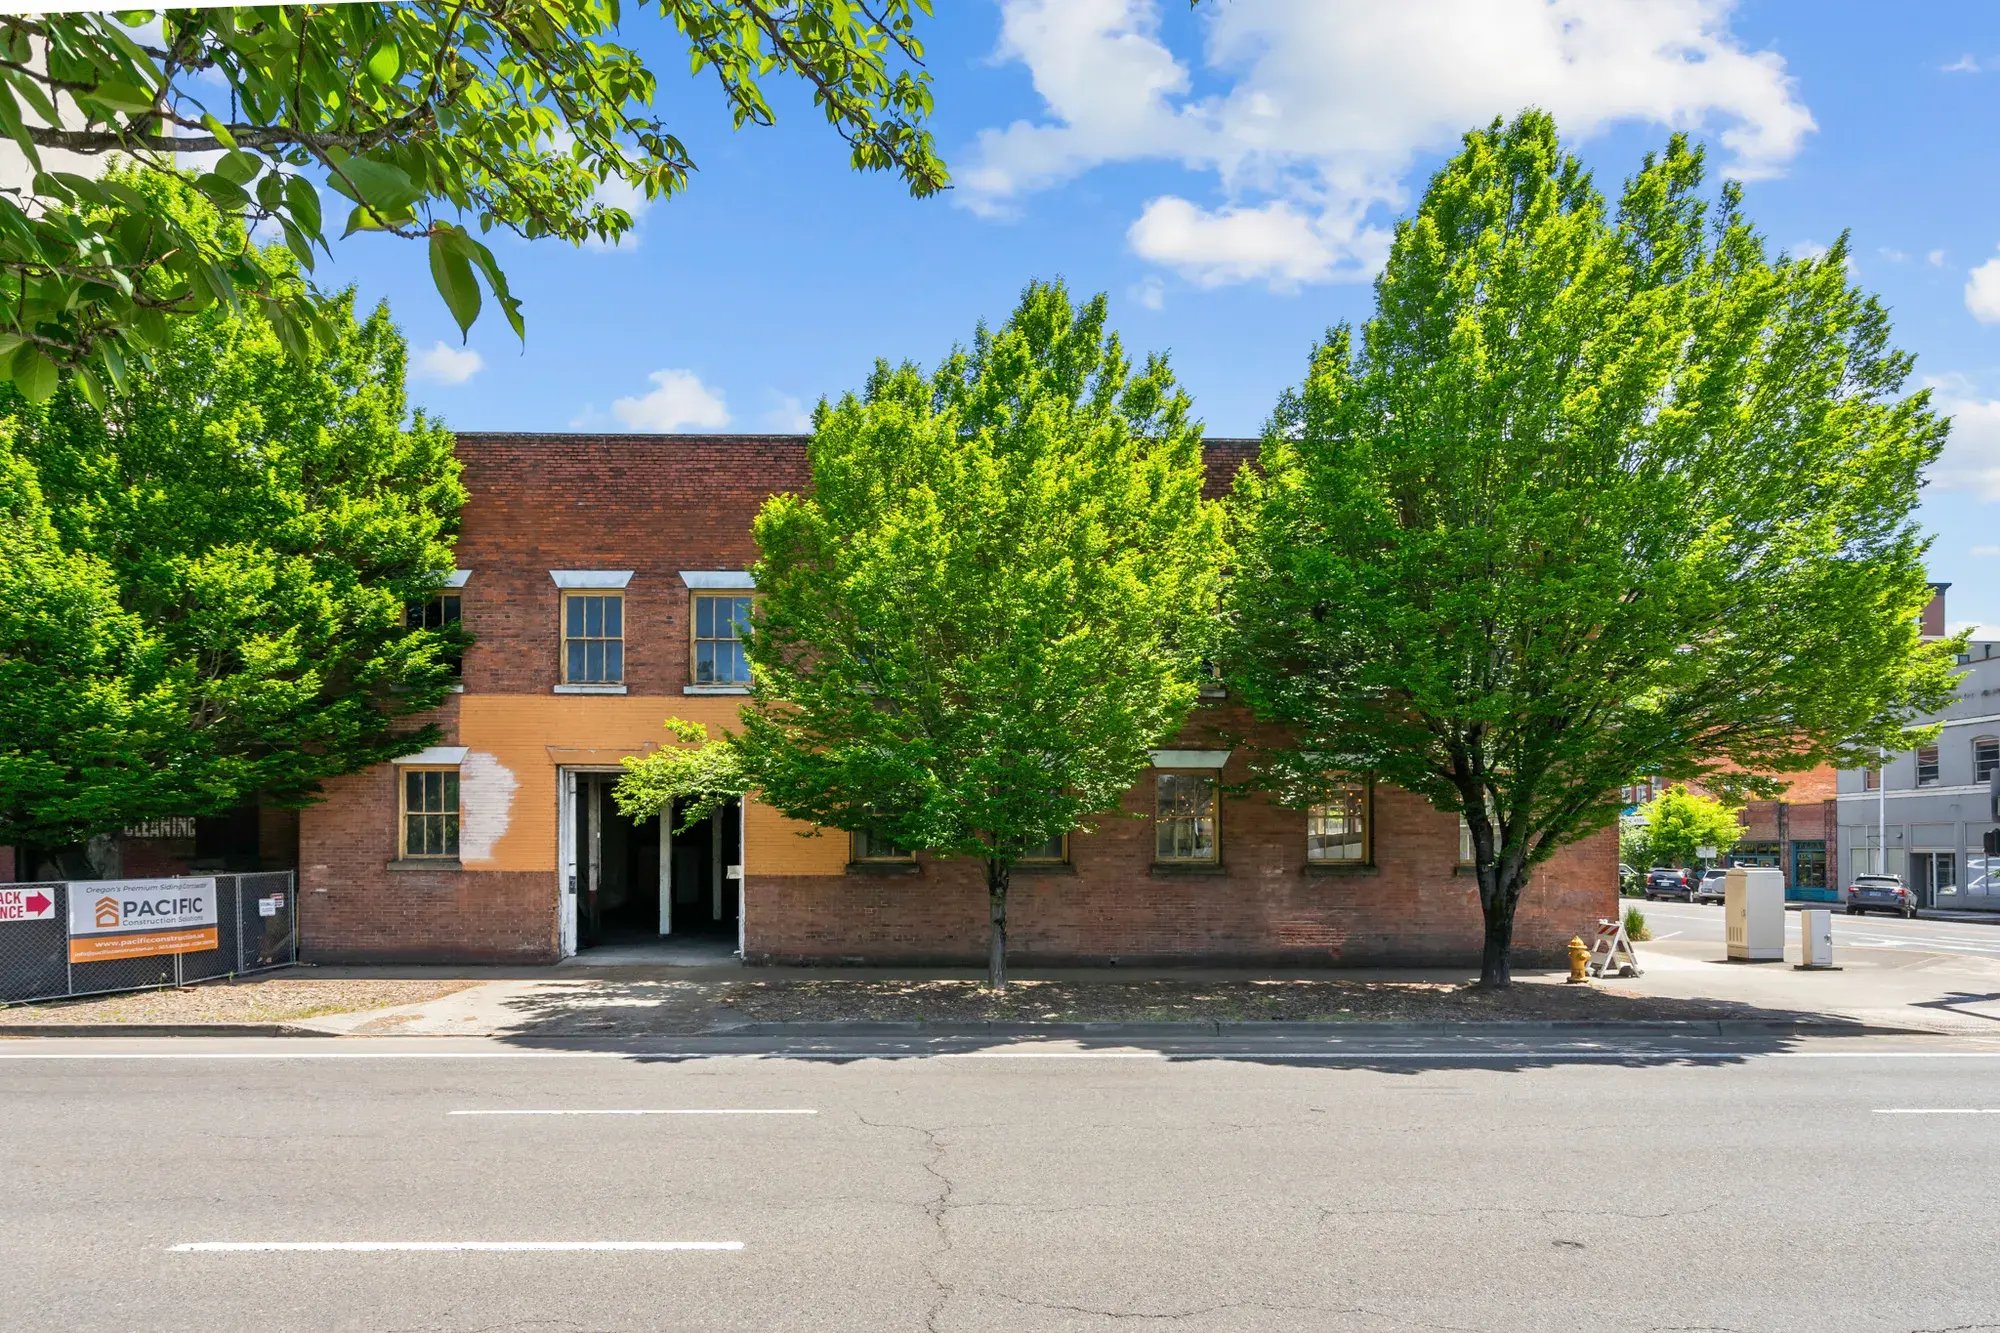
1710, 888
1667, 882
1880, 893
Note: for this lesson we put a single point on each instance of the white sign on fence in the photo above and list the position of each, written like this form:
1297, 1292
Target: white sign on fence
30, 904
140, 918
267, 907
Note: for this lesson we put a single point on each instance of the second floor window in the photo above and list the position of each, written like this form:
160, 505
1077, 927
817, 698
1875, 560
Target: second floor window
440, 612
1871, 779
872, 846
1053, 852
1184, 822
593, 638
1927, 766
1985, 758
719, 623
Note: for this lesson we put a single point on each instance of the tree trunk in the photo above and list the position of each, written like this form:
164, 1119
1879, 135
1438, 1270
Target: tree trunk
1498, 901
997, 875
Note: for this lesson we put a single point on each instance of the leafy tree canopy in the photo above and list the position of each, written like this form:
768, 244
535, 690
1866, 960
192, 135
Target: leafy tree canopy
237, 535
432, 119
1598, 494
1679, 821
992, 602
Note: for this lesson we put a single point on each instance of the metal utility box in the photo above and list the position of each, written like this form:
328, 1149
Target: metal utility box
1753, 909
1816, 938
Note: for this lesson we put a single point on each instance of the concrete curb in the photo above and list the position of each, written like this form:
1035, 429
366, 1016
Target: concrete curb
158, 1030
1360, 1028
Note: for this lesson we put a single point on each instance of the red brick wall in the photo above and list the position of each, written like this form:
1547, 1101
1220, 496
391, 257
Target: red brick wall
354, 907
657, 505
1414, 907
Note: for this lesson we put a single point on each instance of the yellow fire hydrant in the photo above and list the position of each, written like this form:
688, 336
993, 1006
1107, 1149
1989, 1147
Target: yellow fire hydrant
1579, 961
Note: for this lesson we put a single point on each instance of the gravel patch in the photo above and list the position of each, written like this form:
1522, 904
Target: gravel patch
266, 1000
657, 1006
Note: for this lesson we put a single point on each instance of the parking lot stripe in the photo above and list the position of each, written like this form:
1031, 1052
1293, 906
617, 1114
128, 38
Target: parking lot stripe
434, 1246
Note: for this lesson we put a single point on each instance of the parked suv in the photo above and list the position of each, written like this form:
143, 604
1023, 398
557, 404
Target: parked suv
1666, 882
1710, 888
1880, 893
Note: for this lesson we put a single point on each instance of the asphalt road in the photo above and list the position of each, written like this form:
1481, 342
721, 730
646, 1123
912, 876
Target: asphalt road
1590, 1183
1702, 922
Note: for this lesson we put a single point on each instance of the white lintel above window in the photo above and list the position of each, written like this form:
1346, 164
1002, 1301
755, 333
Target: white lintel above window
591, 578
590, 689
718, 578
1190, 758
438, 756
458, 578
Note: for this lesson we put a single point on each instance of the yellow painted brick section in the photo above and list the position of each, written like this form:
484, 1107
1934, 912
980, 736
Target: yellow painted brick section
532, 735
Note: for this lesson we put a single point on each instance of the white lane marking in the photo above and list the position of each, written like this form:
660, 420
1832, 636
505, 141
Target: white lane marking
1670, 935
694, 1110
433, 1246
1937, 1110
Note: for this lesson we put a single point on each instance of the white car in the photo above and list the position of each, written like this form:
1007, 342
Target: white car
1710, 888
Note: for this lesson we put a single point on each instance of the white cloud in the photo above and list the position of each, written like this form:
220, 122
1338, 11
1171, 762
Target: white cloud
1982, 292
678, 401
1986, 550
1935, 259
1325, 103
1971, 457
1965, 64
1893, 255
1150, 293
789, 417
441, 363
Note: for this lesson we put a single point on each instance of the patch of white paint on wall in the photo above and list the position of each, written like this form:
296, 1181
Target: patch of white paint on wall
486, 790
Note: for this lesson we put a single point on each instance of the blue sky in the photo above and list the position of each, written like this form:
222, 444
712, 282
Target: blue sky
1228, 177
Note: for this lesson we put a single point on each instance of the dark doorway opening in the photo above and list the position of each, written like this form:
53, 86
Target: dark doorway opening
705, 892
618, 868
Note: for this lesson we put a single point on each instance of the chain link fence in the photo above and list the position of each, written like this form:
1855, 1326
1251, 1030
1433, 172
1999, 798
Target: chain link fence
256, 928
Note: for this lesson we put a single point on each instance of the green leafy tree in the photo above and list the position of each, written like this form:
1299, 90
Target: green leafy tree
1599, 494
703, 772
430, 117
1678, 821
85, 711
242, 530
991, 603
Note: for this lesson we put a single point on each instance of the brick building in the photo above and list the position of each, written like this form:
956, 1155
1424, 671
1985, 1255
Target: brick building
602, 578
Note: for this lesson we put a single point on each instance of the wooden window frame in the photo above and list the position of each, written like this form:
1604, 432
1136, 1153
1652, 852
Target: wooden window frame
1213, 776
454, 819
855, 857
1060, 860
1366, 787
562, 626
695, 598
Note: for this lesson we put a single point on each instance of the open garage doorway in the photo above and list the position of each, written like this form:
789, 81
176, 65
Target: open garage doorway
631, 895
705, 874
618, 868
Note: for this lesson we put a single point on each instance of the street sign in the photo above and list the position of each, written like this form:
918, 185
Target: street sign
140, 918
1705, 853
27, 904
267, 907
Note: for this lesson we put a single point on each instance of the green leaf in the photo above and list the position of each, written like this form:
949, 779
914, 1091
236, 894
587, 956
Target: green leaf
304, 199
239, 167
119, 96
226, 193
34, 374
453, 275
383, 187
219, 130
385, 62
